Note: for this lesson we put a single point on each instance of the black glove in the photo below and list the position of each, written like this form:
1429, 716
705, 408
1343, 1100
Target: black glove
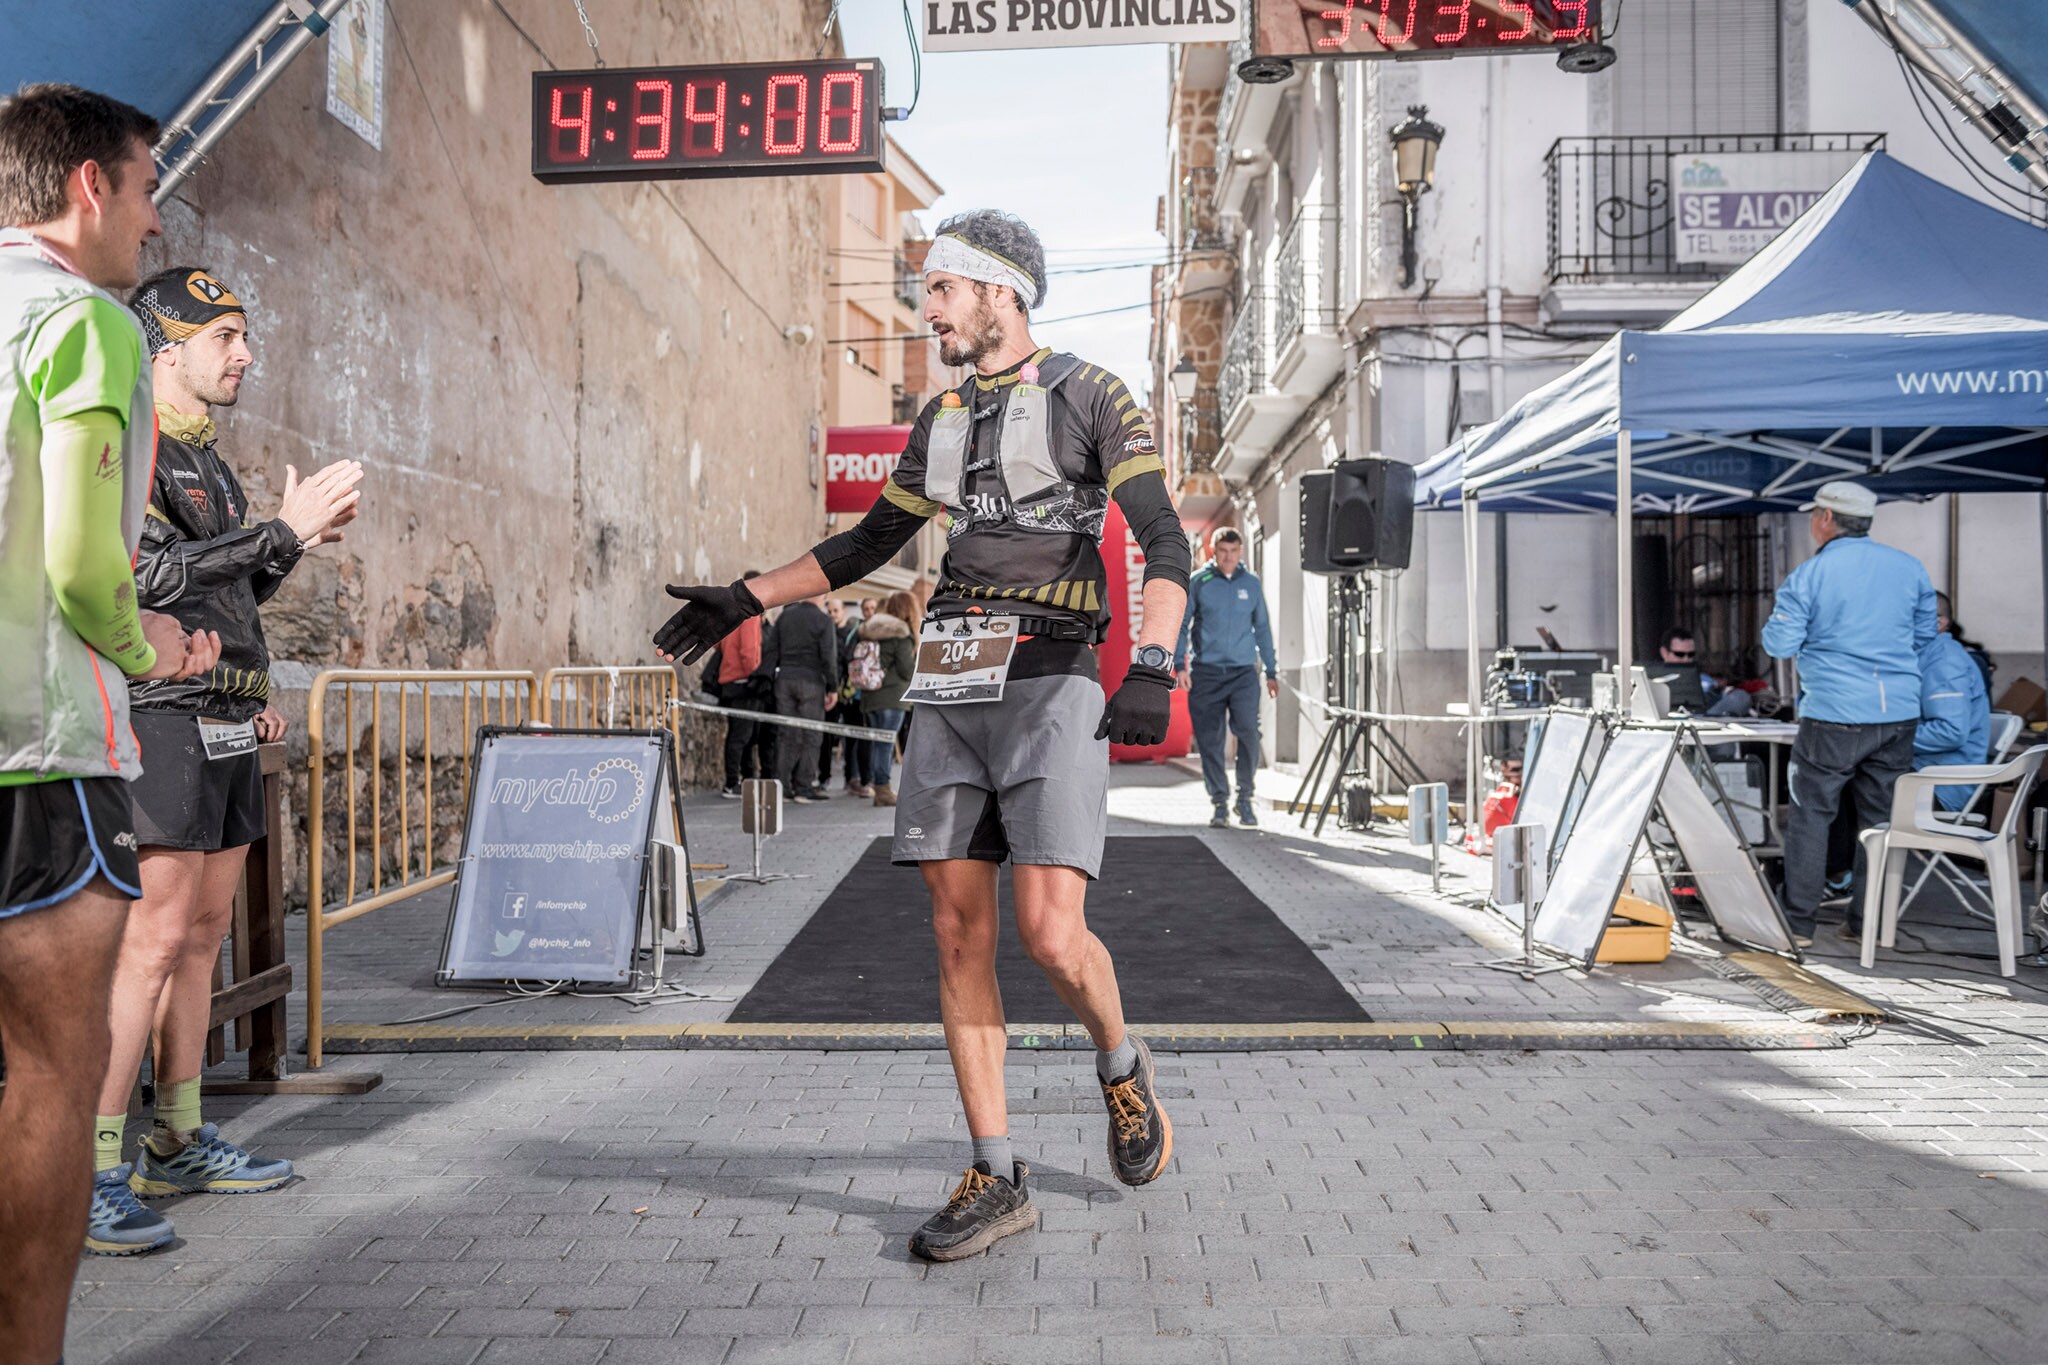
710, 615
1141, 708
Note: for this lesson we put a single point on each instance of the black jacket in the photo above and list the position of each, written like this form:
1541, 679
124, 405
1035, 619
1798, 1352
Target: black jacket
802, 640
205, 562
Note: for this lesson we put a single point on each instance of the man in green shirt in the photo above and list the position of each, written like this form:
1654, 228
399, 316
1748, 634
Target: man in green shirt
75, 186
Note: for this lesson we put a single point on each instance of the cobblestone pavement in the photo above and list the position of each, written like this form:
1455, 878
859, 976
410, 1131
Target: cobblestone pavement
1886, 1201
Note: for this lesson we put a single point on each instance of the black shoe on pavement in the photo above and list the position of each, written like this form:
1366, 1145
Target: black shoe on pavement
810, 795
1140, 1134
983, 1209
1850, 931
1220, 819
731, 791
1247, 817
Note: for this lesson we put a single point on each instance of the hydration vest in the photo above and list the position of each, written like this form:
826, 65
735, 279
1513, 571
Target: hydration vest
1039, 480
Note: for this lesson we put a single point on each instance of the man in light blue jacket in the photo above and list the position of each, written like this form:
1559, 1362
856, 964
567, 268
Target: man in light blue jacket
1955, 710
1856, 617
1230, 634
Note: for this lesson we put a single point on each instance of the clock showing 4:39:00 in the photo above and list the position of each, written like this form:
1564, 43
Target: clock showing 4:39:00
685, 122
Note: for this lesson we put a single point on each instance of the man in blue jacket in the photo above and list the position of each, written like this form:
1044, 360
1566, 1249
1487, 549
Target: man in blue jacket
1227, 625
1955, 710
1856, 617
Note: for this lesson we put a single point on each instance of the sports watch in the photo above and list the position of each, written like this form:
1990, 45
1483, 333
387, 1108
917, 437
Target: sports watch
1153, 656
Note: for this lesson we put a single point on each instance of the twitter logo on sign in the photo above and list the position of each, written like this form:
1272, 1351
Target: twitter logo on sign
507, 944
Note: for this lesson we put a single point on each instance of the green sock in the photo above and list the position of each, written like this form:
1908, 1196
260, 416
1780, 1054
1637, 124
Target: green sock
107, 1130
177, 1115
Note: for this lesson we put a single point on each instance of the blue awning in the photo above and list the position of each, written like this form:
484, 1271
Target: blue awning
153, 55
1896, 334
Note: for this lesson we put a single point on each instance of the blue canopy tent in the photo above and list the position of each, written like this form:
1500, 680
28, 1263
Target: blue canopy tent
1896, 334
195, 68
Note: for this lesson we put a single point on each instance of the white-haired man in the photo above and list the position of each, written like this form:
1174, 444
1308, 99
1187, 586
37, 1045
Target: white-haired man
1007, 759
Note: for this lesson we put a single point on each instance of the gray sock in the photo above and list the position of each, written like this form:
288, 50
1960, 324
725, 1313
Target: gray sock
996, 1152
1118, 1061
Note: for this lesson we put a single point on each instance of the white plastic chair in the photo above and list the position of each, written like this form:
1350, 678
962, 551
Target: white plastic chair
1915, 827
2005, 731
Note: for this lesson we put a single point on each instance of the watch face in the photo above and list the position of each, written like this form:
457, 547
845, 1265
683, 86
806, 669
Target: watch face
1152, 656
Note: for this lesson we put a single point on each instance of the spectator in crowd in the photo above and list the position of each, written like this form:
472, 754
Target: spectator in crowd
199, 801
76, 181
736, 677
857, 751
1979, 655
1856, 616
1227, 635
868, 607
1677, 667
801, 653
1955, 710
893, 640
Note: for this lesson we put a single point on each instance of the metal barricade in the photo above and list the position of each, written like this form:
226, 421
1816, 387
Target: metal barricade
625, 697
484, 696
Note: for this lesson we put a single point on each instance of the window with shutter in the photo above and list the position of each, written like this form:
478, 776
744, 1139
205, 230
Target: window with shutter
1697, 66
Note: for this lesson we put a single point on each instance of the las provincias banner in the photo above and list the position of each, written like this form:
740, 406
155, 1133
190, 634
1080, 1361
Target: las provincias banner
980, 25
858, 461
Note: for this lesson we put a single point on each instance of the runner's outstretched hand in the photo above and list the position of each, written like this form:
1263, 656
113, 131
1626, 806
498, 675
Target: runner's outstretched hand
708, 616
1140, 710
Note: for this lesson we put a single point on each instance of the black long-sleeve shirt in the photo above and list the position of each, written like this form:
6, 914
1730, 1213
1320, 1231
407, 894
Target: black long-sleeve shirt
204, 561
1045, 573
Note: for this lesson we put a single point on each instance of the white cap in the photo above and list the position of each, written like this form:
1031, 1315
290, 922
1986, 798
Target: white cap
1849, 499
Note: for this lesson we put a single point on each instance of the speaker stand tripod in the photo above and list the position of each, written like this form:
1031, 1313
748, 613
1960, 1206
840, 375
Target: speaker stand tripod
1350, 737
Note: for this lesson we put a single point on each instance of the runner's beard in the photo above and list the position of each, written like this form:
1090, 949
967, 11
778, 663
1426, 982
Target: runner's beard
983, 334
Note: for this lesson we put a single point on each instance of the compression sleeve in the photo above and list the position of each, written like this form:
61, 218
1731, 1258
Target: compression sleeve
852, 555
84, 553
1155, 526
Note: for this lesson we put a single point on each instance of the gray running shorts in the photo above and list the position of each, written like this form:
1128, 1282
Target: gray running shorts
1023, 778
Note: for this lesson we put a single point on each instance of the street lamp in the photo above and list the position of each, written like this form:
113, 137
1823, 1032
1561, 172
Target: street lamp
1184, 380
1415, 141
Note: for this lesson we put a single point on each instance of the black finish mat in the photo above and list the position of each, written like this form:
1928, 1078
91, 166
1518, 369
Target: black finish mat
1192, 944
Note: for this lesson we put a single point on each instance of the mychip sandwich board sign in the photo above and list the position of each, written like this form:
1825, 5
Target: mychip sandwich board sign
553, 878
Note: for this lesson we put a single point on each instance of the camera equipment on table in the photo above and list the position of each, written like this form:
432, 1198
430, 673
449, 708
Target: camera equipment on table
1509, 684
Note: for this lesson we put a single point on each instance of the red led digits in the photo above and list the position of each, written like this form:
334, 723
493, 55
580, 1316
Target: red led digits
1518, 9
1459, 9
564, 125
656, 119
830, 111
1341, 18
1576, 9
705, 135
1385, 31
781, 116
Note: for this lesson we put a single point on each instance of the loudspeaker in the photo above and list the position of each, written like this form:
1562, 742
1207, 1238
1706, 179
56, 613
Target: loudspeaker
1359, 514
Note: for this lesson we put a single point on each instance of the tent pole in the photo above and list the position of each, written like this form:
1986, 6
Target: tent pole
2044, 589
1624, 568
1474, 685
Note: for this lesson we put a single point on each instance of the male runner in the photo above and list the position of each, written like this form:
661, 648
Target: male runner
75, 441
1024, 458
199, 802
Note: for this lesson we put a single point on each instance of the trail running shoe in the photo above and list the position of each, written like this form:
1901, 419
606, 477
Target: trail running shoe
119, 1225
984, 1207
206, 1165
1140, 1134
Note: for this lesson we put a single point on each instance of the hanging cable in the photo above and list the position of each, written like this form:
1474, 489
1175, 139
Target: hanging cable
916, 68
589, 34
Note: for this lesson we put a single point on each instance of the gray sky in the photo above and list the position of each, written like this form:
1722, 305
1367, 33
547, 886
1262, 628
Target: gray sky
1071, 139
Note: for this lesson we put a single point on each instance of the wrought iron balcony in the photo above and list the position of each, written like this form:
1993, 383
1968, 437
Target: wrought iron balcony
1304, 275
1611, 211
909, 284
1201, 433
1201, 225
1244, 353
1233, 88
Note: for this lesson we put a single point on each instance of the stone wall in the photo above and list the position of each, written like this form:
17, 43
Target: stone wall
564, 396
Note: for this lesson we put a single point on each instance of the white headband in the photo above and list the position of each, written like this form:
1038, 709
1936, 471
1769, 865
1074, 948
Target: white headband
956, 256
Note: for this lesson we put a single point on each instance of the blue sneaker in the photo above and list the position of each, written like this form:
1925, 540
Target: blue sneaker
119, 1225
206, 1165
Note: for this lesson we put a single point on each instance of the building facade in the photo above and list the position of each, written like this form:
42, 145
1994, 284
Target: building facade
1548, 227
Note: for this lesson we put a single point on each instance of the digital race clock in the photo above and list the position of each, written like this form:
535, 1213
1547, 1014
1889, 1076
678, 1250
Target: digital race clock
1420, 28
682, 122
